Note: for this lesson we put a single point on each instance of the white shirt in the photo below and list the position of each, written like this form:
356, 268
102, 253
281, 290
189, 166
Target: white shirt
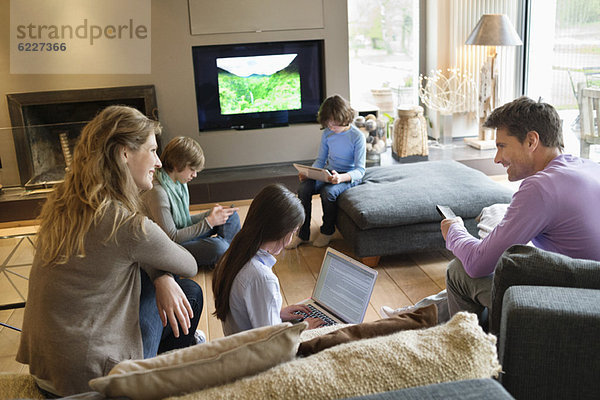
255, 298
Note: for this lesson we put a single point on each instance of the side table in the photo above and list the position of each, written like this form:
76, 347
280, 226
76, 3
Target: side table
21, 234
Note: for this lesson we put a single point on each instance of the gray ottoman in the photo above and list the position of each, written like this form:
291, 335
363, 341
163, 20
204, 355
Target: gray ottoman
393, 210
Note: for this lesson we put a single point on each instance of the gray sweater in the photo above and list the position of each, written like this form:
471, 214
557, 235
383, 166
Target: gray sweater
158, 208
82, 317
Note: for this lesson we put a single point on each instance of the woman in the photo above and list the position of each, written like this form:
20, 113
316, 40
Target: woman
206, 235
81, 316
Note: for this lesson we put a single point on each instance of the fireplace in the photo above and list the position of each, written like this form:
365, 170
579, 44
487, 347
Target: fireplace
46, 125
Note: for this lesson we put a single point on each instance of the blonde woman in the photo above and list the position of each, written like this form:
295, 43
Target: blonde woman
82, 314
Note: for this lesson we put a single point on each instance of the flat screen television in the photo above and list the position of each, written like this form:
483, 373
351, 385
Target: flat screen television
258, 85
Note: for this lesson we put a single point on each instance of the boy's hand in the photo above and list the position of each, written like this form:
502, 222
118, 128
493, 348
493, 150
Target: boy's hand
302, 177
219, 215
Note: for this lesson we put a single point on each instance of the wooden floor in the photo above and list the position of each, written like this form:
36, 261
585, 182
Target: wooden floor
402, 280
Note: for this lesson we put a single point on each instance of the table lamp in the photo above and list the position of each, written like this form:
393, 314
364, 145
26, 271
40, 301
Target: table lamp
492, 30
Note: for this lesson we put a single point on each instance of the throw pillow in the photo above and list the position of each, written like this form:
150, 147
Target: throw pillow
214, 363
424, 317
310, 334
456, 350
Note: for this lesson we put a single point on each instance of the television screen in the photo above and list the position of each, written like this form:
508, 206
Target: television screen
258, 85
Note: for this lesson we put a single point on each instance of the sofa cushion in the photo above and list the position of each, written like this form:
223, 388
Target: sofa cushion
528, 265
549, 346
424, 317
456, 350
407, 194
310, 334
214, 363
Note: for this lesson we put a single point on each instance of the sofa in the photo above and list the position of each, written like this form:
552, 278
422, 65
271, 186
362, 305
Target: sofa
546, 313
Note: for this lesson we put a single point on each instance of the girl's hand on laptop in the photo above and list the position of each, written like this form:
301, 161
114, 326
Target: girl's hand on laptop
302, 177
314, 322
293, 312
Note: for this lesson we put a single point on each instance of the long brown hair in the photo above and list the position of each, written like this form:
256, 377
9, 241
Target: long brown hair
97, 178
274, 213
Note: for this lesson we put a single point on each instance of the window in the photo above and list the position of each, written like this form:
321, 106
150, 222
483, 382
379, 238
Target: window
563, 56
571, 58
384, 53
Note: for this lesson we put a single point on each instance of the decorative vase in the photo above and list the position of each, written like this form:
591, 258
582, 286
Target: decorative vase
410, 133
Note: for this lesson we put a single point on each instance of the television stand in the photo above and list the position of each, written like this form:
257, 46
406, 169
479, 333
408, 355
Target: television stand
259, 126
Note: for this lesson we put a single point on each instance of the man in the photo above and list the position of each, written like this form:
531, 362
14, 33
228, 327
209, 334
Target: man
556, 206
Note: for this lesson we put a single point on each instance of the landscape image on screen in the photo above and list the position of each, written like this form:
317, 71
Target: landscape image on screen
258, 83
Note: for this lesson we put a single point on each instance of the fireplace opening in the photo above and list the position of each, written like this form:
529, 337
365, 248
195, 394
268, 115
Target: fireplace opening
46, 126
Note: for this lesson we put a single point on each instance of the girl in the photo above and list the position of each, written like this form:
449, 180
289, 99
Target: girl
343, 152
246, 290
82, 314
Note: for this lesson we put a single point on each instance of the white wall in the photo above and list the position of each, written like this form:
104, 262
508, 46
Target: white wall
172, 75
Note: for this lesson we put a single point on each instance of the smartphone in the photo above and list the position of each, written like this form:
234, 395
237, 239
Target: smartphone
445, 212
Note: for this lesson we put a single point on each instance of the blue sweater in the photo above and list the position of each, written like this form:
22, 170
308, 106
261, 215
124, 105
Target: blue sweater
343, 152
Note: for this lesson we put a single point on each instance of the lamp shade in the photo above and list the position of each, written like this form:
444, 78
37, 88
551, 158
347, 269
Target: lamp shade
494, 30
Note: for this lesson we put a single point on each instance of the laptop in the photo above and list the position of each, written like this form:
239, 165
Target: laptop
319, 174
343, 289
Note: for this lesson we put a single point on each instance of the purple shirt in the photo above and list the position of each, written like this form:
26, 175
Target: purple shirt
558, 209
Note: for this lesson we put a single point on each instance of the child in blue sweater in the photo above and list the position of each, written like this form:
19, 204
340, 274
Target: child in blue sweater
342, 152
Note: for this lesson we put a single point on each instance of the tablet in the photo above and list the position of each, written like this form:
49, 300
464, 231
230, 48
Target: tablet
318, 174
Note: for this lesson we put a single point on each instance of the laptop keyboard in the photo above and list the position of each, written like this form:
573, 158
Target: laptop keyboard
316, 313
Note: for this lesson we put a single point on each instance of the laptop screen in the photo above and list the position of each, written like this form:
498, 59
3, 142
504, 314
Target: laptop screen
344, 286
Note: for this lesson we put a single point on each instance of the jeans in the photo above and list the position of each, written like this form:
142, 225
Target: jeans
208, 250
329, 194
466, 293
156, 338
